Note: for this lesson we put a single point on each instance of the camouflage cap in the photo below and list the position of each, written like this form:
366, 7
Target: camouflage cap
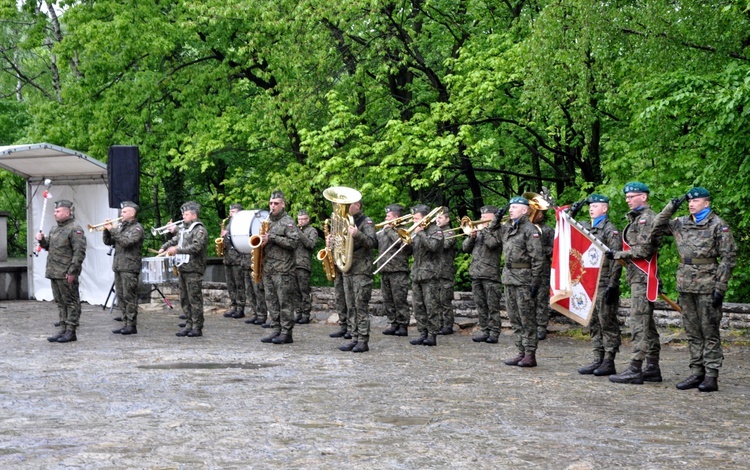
486, 209
635, 187
597, 198
445, 211
518, 200
420, 209
125, 204
191, 206
698, 192
63, 203
397, 208
236, 205
278, 194
302, 212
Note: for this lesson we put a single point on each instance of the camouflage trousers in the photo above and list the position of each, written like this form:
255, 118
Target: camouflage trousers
520, 307
255, 295
702, 323
645, 337
394, 287
191, 299
447, 314
358, 290
280, 292
340, 293
541, 304
126, 290
604, 327
487, 294
304, 297
68, 302
235, 284
425, 299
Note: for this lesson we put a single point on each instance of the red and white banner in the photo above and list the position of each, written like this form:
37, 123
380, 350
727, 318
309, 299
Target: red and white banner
577, 259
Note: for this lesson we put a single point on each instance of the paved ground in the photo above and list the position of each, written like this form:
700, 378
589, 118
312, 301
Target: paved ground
228, 401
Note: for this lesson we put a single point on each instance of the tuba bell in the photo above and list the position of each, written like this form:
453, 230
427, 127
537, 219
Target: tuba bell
537, 203
343, 243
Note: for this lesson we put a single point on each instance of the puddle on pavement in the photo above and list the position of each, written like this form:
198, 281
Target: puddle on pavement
207, 365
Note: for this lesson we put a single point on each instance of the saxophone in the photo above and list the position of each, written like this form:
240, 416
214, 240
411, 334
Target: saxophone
325, 256
256, 255
219, 242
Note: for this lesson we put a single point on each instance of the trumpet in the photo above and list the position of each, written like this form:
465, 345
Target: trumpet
166, 228
100, 227
467, 226
404, 219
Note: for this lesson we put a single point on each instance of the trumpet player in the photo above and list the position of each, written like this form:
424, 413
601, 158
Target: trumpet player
303, 255
447, 274
233, 269
394, 276
127, 240
193, 242
427, 246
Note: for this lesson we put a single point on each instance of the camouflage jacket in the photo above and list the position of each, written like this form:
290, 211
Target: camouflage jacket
232, 257
128, 242
607, 233
400, 263
307, 240
548, 242
427, 247
66, 244
365, 242
523, 253
283, 239
193, 241
644, 241
450, 246
485, 251
707, 250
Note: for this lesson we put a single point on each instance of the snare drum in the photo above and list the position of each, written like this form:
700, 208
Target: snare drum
245, 224
157, 270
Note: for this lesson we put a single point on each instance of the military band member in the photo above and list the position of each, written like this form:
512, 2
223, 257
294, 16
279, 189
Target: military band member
255, 295
447, 274
279, 264
190, 249
344, 330
233, 269
127, 240
541, 302
394, 276
604, 327
427, 245
485, 247
358, 280
308, 239
66, 244
641, 244
707, 256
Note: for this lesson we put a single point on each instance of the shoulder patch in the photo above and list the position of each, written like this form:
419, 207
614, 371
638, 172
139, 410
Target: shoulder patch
536, 235
642, 221
616, 232
725, 229
79, 232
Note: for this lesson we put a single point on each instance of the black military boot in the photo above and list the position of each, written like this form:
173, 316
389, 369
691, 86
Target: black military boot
608, 366
182, 317
181, 325
183, 332
348, 335
589, 369
56, 324
195, 332
391, 330
709, 384
230, 313
129, 330
70, 335
340, 333
691, 382
481, 337
632, 374
361, 347
115, 319
446, 330
251, 320
431, 340
239, 313
541, 335
513, 361
118, 331
652, 372
348, 346
269, 338
420, 339
304, 319
493, 338
402, 331
283, 338
56, 336
529, 360
265, 324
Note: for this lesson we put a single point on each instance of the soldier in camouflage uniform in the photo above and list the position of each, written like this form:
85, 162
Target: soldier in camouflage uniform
707, 256
308, 239
255, 295
190, 249
485, 247
394, 276
644, 245
127, 239
358, 280
427, 246
603, 327
447, 273
541, 302
279, 246
340, 299
522, 272
66, 244
233, 270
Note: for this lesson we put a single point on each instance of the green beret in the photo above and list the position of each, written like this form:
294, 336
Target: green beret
63, 203
486, 209
519, 200
698, 192
635, 187
597, 198
125, 204
420, 209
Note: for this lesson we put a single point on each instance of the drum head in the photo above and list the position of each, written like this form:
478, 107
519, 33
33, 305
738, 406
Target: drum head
245, 224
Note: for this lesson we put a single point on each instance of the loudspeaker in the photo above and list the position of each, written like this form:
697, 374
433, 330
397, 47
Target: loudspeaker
123, 175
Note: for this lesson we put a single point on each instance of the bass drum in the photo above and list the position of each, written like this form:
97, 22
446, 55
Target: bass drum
243, 225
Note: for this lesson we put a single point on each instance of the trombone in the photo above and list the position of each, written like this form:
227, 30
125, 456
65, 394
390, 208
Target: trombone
404, 236
166, 228
100, 227
404, 219
467, 226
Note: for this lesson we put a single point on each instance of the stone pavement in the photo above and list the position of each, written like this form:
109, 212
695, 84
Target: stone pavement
227, 401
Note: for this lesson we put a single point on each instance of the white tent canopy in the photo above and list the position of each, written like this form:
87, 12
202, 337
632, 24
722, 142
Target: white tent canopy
76, 177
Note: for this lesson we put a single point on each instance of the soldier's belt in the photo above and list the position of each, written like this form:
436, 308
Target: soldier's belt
698, 261
518, 265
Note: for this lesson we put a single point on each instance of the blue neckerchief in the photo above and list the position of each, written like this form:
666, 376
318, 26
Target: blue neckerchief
598, 220
699, 216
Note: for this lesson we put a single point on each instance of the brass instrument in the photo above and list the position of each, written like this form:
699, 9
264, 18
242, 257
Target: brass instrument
256, 255
325, 256
405, 236
166, 228
537, 202
404, 219
343, 243
100, 227
219, 242
467, 226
